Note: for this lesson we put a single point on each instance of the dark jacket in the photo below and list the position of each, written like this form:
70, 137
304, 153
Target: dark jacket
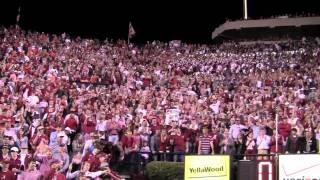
293, 144
312, 145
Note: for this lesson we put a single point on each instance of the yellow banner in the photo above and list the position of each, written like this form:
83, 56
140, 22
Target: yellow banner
209, 167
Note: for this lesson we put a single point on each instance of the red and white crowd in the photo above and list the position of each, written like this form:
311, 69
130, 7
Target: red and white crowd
79, 108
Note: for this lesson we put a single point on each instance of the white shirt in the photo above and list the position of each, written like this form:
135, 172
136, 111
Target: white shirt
235, 130
145, 149
215, 107
259, 84
43, 104
1, 83
86, 147
255, 130
11, 132
318, 136
33, 100
101, 125
263, 142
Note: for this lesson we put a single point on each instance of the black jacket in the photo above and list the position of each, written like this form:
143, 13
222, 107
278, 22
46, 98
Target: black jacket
303, 145
293, 144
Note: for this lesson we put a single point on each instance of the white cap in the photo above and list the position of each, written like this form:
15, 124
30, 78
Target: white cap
14, 149
61, 134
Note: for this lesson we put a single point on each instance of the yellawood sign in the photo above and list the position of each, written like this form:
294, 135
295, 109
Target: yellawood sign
211, 167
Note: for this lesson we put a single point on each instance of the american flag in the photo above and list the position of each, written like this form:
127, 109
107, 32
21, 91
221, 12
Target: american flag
132, 32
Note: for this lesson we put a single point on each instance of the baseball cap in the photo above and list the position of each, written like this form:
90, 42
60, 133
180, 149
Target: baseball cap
60, 134
15, 149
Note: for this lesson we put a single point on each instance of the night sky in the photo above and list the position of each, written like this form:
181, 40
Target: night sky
191, 21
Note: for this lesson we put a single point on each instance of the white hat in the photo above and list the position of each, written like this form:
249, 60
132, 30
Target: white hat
61, 134
14, 149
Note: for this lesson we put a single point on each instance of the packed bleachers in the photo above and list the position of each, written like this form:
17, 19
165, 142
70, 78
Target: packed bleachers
76, 108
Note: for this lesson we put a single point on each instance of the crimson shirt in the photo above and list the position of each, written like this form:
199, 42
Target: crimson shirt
127, 142
163, 145
8, 175
43, 136
284, 129
179, 143
51, 174
71, 123
93, 160
14, 163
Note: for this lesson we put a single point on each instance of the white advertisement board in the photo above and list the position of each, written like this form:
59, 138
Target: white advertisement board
304, 166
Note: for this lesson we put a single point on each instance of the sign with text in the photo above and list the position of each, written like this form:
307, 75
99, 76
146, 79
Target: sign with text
300, 166
209, 167
172, 115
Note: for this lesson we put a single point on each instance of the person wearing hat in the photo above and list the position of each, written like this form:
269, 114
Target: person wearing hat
15, 163
6, 173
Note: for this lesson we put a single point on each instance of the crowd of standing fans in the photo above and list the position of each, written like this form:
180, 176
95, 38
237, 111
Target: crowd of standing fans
73, 108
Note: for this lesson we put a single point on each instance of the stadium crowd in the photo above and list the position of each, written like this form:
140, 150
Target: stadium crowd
80, 108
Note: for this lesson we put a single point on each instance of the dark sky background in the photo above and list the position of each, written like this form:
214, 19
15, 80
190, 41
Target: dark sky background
190, 21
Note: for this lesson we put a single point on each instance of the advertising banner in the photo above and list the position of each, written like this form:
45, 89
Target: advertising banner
208, 167
300, 166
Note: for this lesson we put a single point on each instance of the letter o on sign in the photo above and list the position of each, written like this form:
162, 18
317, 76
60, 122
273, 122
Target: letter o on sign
265, 163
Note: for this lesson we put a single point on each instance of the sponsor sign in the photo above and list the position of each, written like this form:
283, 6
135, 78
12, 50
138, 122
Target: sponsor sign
208, 167
300, 166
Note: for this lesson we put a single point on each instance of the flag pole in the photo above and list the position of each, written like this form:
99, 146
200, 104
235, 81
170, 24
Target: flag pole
128, 34
277, 120
18, 16
131, 32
